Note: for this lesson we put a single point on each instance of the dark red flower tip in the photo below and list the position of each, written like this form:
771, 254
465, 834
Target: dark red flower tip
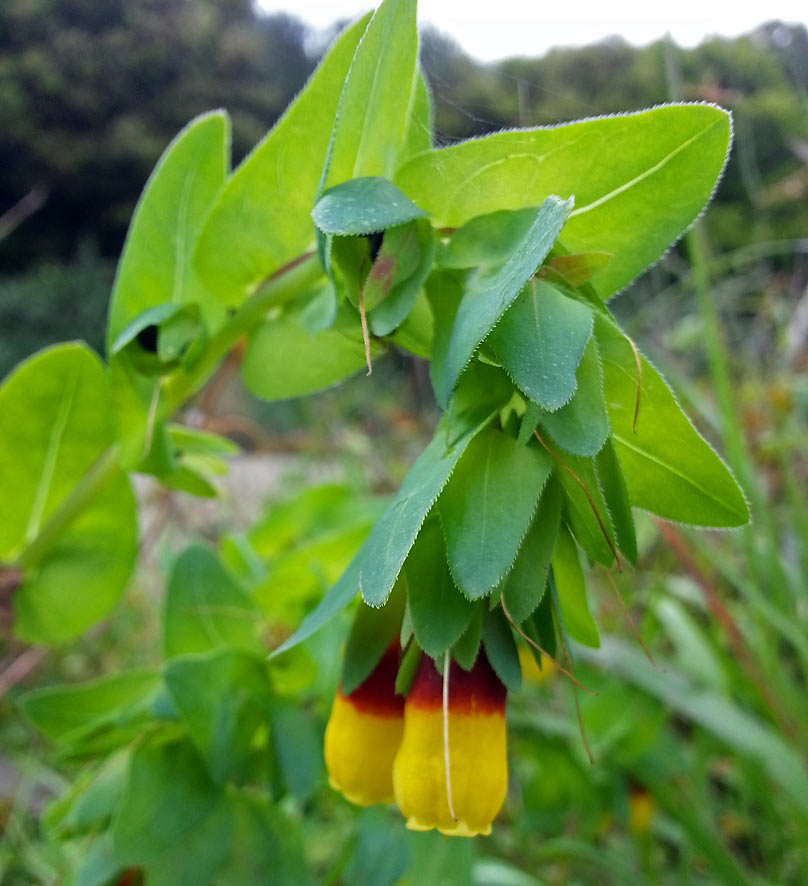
476, 691
377, 695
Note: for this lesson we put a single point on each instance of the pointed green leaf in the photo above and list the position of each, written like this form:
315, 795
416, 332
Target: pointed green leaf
265, 207
487, 507
440, 613
656, 170
58, 433
372, 631
569, 581
524, 585
669, 469
374, 108
500, 649
156, 266
615, 494
482, 391
69, 714
490, 292
206, 608
408, 669
419, 126
580, 268
223, 697
582, 425
529, 423
464, 652
283, 359
541, 628
363, 206
393, 535
541, 340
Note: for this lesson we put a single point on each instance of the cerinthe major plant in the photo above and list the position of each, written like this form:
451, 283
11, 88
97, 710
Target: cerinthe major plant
343, 234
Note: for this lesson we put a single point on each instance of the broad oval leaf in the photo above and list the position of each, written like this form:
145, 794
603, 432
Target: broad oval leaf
582, 425
571, 587
207, 608
500, 649
525, 584
156, 266
58, 431
492, 290
670, 470
283, 359
262, 218
363, 206
439, 612
541, 340
639, 180
487, 507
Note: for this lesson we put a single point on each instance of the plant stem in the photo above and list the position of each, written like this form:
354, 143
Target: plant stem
281, 287
82, 494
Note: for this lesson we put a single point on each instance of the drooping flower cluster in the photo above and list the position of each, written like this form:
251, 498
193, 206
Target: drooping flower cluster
441, 753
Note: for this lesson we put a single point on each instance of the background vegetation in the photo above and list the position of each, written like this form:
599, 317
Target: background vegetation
697, 762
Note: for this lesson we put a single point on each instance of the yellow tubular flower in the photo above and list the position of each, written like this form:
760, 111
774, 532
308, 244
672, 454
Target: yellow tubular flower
478, 766
363, 735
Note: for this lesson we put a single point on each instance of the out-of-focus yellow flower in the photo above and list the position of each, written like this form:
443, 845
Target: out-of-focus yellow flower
478, 767
640, 811
531, 671
363, 734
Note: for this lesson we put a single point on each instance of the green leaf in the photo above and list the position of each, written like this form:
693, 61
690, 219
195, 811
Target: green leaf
501, 649
283, 359
162, 337
487, 507
415, 333
93, 806
580, 268
70, 714
381, 853
465, 650
525, 584
405, 287
197, 442
583, 498
265, 207
541, 340
482, 391
393, 535
373, 630
223, 698
615, 494
170, 811
656, 170
264, 844
491, 291
58, 434
439, 612
582, 425
206, 608
156, 266
529, 423
487, 241
669, 469
374, 108
408, 669
298, 747
571, 587
541, 629
419, 126
363, 206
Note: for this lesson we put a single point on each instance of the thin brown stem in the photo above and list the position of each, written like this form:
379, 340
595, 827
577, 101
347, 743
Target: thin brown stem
365, 332
20, 668
536, 646
638, 361
581, 483
628, 615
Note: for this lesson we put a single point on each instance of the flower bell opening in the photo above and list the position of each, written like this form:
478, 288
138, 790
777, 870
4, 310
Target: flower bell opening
363, 734
477, 751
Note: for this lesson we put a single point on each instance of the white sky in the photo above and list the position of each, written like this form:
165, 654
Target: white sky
494, 29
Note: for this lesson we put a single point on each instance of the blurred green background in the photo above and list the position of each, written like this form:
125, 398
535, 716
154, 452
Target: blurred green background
699, 760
